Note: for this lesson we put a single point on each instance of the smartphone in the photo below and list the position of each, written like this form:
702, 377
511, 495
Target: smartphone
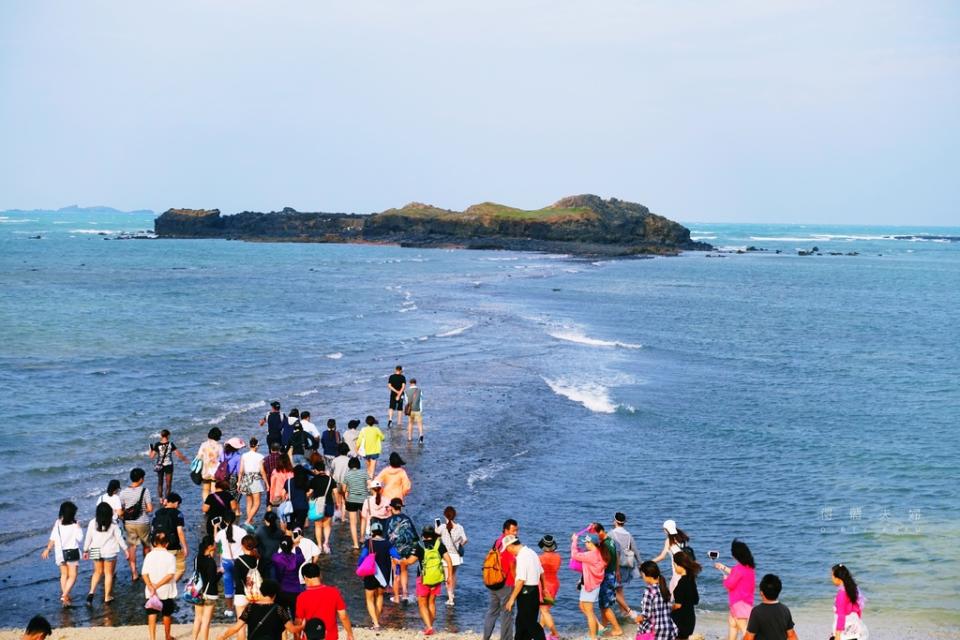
436, 522
713, 555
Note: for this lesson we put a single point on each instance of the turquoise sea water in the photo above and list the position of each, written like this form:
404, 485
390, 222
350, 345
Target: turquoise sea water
806, 404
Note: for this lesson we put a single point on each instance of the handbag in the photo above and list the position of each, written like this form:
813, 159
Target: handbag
69, 555
318, 505
154, 602
193, 590
94, 553
196, 471
646, 635
368, 566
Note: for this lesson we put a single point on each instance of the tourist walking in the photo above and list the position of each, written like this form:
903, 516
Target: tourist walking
629, 560
376, 508
302, 444
373, 585
350, 436
296, 492
265, 619
396, 483
209, 455
770, 619
396, 384
369, 444
137, 507
329, 441
593, 575
102, 544
499, 595
230, 463
269, 536
65, 539
246, 565
847, 606
675, 541
160, 588
528, 577
311, 429
253, 479
205, 567
433, 557
454, 538
354, 486
402, 534
653, 618
169, 520
112, 498
229, 539
162, 452
685, 595
740, 583
217, 504
286, 571
321, 495
276, 422
550, 563
282, 472
324, 602
414, 410
607, 598
338, 471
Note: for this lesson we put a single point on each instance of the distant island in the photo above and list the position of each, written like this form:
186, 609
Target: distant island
580, 225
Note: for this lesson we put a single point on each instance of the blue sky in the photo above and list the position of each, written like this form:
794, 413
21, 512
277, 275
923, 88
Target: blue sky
753, 110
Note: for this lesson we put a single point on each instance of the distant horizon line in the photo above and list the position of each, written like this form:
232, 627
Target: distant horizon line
687, 223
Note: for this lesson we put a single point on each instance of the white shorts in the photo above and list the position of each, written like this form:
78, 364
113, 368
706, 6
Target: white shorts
240, 600
589, 596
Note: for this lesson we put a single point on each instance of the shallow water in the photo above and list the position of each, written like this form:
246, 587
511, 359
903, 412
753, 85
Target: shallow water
805, 404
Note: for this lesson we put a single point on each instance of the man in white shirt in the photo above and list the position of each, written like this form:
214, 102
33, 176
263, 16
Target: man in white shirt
528, 575
308, 426
158, 570
309, 549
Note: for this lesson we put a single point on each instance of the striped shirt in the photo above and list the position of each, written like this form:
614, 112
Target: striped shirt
356, 481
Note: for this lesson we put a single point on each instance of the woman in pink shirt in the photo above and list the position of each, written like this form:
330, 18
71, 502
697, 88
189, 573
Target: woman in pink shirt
740, 583
593, 566
848, 606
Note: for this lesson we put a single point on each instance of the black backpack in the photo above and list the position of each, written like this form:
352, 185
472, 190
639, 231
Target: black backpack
687, 549
275, 425
165, 520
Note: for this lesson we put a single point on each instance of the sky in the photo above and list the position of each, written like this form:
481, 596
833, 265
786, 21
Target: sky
737, 111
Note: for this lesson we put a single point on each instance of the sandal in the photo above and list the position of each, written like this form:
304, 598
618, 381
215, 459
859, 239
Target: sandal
89, 599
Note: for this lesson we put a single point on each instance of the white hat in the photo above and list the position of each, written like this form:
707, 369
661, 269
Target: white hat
507, 541
670, 527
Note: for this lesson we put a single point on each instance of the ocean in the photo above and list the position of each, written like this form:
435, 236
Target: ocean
806, 404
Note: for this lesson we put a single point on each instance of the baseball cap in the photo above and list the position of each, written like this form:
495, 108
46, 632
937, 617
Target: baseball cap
507, 541
376, 484
670, 527
275, 404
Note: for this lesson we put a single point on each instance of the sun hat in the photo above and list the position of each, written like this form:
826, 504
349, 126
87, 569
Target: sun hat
236, 443
670, 527
376, 484
547, 543
507, 541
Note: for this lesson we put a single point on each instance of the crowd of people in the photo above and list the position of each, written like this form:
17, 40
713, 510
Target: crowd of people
265, 567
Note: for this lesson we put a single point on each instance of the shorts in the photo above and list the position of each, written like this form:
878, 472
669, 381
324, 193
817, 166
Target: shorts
396, 403
608, 591
589, 596
137, 534
252, 484
425, 590
228, 588
353, 507
169, 606
165, 470
372, 456
417, 415
240, 600
626, 576
740, 610
328, 510
181, 558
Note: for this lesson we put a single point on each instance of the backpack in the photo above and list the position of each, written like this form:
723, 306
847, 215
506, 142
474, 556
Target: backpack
136, 509
251, 586
222, 473
165, 520
493, 575
687, 549
432, 565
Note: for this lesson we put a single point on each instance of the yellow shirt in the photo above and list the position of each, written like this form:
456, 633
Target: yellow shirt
369, 440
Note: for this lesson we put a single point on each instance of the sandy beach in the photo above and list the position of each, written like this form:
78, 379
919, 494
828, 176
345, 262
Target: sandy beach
710, 626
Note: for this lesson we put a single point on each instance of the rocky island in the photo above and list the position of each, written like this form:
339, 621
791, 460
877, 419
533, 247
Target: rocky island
580, 225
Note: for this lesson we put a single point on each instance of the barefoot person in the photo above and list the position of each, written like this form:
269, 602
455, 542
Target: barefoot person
498, 597
159, 567
593, 566
740, 583
205, 566
685, 595
414, 410
137, 508
675, 541
369, 444
65, 540
102, 544
162, 452
253, 479
209, 454
396, 384
324, 602
373, 586
550, 562
264, 618
607, 598
527, 581
355, 493
454, 539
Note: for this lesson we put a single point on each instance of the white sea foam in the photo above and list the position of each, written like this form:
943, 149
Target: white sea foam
579, 338
410, 308
234, 409
698, 238
782, 239
308, 392
485, 473
593, 396
335, 356
95, 231
454, 332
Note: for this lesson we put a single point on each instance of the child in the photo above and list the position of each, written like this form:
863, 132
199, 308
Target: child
653, 620
770, 620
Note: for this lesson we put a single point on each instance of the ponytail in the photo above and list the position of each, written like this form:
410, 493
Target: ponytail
840, 572
652, 570
450, 514
664, 590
